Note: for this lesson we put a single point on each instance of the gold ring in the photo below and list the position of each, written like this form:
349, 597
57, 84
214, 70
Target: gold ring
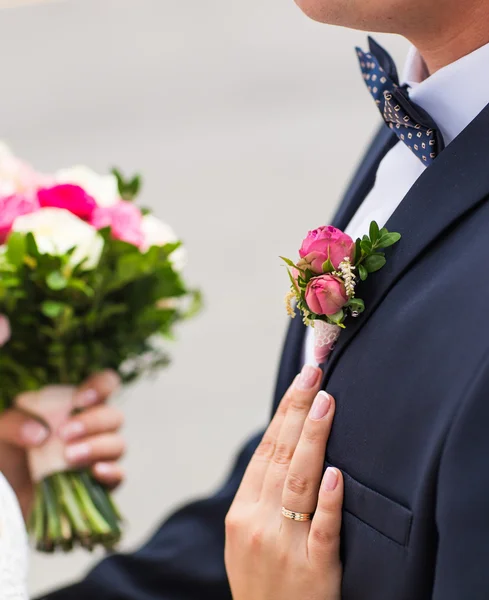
296, 516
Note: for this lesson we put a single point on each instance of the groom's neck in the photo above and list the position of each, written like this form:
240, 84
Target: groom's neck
443, 42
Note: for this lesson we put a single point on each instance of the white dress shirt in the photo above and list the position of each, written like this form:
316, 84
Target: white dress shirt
453, 96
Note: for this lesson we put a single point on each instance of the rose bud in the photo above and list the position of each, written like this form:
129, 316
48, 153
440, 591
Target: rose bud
323, 243
326, 295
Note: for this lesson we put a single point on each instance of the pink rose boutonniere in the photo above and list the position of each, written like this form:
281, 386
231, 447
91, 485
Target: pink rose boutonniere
324, 280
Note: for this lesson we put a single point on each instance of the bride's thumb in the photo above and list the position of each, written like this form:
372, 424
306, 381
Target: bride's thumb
21, 430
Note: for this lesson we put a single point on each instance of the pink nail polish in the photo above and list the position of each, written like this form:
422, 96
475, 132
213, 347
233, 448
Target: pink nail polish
104, 469
330, 480
71, 430
77, 453
86, 398
320, 407
308, 377
34, 433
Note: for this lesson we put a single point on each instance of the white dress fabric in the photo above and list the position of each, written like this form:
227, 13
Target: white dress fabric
14, 549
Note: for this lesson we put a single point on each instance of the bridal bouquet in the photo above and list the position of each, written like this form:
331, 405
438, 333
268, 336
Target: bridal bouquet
88, 281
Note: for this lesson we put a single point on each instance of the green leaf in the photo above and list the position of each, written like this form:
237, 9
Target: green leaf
362, 271
374, 232
356, 305
81, 286
128, 188
389, 239
31, 245
337, 318
56, 281
358, 250
366, 246
374, 262
16, 248
196, 304
288, 262
52, 309
134, 186
293, 281
328, 266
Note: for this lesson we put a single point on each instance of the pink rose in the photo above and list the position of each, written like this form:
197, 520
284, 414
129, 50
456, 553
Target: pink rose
70, 197
326, 295
4, 330
124, 219
12, 207
323, 243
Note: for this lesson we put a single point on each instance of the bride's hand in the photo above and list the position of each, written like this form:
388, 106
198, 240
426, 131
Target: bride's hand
268, 556
92, 438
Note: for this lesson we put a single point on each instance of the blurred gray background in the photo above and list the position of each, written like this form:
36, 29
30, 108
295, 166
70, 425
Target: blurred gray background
246, 120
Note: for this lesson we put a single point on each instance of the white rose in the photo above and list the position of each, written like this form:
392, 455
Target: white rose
157, 233
103, 188
56, 231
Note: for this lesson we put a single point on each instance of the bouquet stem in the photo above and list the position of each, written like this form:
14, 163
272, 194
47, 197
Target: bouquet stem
72, 508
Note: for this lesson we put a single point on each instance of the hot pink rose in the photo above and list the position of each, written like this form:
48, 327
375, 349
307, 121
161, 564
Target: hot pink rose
70, 197
326, 295
124, 219
4, 330
12, 207
323, 243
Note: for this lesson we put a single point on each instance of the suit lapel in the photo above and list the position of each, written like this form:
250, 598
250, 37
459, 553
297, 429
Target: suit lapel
457, 182
360, 186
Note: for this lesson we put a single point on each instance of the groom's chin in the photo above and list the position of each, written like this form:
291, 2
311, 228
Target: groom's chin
324, 11
364, 15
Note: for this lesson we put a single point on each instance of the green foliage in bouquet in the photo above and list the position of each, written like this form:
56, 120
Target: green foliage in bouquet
70, 322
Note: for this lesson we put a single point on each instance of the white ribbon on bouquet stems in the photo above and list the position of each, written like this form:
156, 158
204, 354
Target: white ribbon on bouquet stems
53, 405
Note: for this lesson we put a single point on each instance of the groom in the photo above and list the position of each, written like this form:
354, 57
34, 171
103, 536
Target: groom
410, 375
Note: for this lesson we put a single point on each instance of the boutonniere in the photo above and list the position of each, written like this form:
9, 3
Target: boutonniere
325, 279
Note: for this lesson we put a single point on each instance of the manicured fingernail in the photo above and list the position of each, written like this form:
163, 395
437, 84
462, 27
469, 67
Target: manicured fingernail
104, 469
330, 480
308, 377
320, 407
71, 430
77, 453
34, 433
86, 398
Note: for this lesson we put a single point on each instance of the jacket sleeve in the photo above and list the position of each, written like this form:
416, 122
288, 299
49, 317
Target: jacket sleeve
183, 561
462, 501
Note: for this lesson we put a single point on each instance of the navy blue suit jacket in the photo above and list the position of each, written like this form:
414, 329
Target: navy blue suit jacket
411, 432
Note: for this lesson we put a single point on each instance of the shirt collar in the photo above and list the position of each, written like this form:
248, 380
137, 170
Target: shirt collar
454, 95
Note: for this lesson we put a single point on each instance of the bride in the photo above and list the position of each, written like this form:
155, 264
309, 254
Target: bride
92, 440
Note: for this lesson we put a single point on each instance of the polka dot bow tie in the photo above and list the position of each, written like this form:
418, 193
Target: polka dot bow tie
412, 124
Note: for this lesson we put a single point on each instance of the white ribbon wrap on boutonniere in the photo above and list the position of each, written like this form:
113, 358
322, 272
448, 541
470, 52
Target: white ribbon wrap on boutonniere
325, 337
52, 406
